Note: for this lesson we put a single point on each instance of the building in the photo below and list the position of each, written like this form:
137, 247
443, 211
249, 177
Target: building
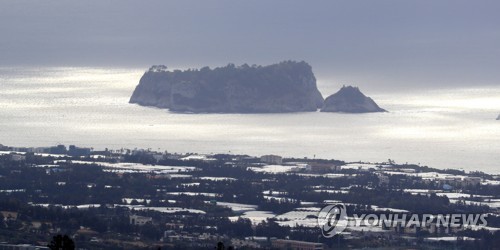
7, 215
383, 180
271, 159
174, 226
321, 167
76, 151
59, 150
450, 180
158, 156
433, 228
471, 181
245, 244
296, 245
16, 157
139, 220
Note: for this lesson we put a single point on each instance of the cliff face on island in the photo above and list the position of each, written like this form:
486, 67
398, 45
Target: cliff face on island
350, 100
284, 87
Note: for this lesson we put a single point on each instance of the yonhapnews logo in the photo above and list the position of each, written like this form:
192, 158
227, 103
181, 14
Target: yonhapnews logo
333, 220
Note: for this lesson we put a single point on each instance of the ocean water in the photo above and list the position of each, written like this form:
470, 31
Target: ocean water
442, 128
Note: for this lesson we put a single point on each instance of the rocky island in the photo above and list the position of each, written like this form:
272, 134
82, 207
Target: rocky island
288, 86
350, 100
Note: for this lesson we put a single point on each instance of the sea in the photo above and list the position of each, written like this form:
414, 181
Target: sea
88, 107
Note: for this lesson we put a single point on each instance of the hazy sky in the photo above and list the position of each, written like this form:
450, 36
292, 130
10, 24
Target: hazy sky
446, 42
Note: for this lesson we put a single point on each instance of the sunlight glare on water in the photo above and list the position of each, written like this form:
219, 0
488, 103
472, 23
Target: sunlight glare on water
444, 128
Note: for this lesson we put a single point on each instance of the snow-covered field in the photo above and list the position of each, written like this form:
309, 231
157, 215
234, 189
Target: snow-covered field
257, 217
276, 169
362, 166
217, 178
247, 211
237, 207
13, 191
82, 206
301, 216
129, 200
169, 210
137, 167
331, 191
194, 194
197, 157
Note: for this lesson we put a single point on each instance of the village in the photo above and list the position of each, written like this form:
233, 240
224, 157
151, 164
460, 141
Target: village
143, 199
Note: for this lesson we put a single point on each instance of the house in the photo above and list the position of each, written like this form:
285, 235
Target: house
139, 220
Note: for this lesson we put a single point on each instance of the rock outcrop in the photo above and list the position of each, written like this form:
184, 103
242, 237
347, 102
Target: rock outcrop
350, 100
284, 87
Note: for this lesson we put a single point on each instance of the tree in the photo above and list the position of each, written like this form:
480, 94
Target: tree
220, 246
60, 242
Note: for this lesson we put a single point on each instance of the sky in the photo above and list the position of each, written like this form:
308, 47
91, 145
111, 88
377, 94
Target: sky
368, 43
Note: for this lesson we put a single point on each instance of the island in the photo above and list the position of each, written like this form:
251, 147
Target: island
498, 118
350, 100
288, 86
